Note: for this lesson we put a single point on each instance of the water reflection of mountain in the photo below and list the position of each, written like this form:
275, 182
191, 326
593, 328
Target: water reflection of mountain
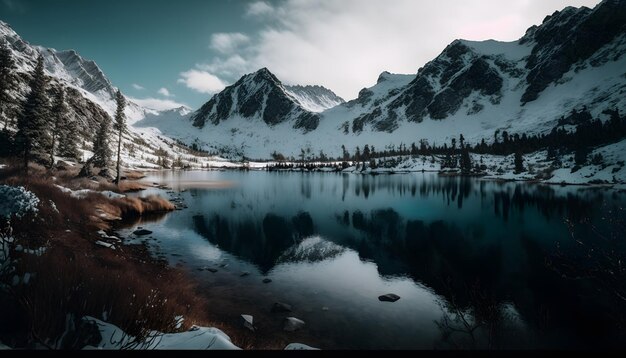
445, 255
260, 243
312, 249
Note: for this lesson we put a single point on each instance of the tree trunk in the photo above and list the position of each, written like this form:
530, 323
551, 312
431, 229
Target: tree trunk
54, 137
119, 149
26, 155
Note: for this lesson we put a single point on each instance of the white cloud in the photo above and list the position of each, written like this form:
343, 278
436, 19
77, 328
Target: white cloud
157, 103
230, 67
201, 81
228, 43
259, 8
138, 87
344, 45
164, 92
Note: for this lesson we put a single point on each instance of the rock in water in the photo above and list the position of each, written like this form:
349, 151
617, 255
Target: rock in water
247, 321
293, 324
210, 269
390, 297
142, 232
281, 307
266, 280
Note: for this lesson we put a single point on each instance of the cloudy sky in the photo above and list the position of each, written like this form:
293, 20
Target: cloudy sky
166, 53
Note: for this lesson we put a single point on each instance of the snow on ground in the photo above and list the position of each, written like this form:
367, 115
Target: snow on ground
610, 171
536, 166
197, 338
105, 244
82, 193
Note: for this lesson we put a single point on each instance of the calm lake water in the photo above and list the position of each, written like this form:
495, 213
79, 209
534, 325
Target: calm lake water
530, 266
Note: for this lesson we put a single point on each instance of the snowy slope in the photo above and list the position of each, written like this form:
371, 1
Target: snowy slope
472, 88
314, 98
72, 70
90, 99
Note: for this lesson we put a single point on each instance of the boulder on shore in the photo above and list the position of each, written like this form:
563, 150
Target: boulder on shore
247, 321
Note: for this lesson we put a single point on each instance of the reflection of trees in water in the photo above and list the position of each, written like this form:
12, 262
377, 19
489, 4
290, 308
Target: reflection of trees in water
507, 196
542, 198
563, 312
451, 260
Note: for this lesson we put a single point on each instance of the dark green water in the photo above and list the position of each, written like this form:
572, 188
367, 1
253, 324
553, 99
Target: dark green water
477, 264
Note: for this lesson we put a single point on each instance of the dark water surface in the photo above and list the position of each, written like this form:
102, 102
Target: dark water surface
476, 263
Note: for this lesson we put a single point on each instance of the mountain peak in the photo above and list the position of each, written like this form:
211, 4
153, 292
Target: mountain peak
256, 95
264, 75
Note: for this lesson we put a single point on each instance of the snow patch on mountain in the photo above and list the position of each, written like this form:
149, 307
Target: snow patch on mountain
314, 98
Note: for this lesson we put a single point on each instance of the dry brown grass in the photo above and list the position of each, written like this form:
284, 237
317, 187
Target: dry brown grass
120, 287
76, 276
126, 186
134, 175
129, 208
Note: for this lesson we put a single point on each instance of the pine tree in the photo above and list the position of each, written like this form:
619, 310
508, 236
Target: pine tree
366, 153
7, 80
580, 155
31, 134
101, 151
519, 162
466, 160
59, 113
68, 147
120, 127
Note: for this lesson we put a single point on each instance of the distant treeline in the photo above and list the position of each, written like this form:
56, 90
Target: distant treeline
577, 132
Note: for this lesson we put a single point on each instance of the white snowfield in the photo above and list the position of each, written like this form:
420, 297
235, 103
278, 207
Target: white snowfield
82, 193
197, 338
314, 98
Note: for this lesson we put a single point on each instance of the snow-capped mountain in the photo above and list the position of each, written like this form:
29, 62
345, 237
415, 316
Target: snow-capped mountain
482, 80
314, 98
89, 96
71, 70
258, 95
574, 59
